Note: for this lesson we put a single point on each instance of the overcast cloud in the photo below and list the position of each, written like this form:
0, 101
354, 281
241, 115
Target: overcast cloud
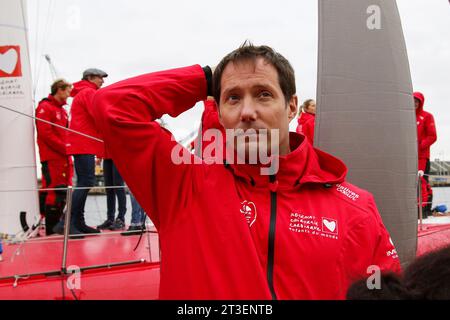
134, 37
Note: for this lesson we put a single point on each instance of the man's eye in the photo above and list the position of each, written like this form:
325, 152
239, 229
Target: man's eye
265, 94
233, 98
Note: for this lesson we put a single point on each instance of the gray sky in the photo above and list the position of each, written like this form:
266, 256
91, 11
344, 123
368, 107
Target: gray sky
134, 37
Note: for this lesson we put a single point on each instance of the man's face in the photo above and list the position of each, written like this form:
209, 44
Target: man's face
251, 98
97, 80
62, 95
416, 103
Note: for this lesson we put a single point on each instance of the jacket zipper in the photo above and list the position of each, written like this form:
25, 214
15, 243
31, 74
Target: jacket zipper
271, 247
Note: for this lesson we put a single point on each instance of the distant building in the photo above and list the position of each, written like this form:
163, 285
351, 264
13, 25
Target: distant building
439, 173
440, 168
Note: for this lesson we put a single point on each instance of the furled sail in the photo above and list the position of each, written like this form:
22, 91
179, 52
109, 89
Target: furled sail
17, 151
365, 109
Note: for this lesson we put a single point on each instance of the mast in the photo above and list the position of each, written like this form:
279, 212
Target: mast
365, 109
53, 71
17, 142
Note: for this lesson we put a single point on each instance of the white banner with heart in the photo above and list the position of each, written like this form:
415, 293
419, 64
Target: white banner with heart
17, 149
8, 61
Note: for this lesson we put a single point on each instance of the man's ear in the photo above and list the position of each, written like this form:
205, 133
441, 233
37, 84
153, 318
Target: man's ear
293, 107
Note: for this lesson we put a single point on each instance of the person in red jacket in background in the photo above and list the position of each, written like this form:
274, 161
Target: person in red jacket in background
56, 164
84, 149
426, 136
306, 119
232, 230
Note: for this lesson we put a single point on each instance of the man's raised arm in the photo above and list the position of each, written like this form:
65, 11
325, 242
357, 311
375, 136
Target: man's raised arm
141, 149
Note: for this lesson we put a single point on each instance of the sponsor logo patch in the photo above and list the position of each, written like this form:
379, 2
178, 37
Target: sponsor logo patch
248, 209
329, 225
347, 192
309, 224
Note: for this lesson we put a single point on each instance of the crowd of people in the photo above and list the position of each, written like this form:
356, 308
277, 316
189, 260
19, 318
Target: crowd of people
226, 230
62, 152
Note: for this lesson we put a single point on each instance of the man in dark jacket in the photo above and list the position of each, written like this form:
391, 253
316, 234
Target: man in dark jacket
56, 164
84, 149
237, 230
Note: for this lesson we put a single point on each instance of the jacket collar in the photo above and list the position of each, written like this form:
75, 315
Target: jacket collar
81, 85
54, 101
304, 164
305, 116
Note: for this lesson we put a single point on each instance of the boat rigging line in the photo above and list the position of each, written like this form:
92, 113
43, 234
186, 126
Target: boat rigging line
51, 123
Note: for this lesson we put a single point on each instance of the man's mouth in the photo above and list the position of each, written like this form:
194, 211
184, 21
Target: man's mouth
248, 132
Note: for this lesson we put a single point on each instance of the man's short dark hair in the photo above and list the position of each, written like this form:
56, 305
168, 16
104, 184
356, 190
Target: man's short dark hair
59, 84
248, 51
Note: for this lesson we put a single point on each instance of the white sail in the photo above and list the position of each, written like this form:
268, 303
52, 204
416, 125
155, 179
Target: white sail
17, 151
365, 109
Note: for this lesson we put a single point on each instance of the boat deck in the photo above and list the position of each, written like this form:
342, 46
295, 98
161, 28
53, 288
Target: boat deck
434, 234
110, 268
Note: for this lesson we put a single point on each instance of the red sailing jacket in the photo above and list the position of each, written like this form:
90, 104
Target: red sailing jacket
426, 129
306, 125
82, 121
210, 120
51, 139
226, 232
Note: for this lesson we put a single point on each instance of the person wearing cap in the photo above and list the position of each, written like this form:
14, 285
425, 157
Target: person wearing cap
84, 149
56, 164
426, 136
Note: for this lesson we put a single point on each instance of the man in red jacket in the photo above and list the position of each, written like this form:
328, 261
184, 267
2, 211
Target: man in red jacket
84, 149
426, 136
226, 230
56, 165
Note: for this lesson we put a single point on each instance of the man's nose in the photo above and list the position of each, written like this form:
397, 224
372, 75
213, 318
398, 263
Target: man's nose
249, 110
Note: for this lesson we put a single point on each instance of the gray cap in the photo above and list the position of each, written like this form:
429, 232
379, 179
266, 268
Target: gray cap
94, 72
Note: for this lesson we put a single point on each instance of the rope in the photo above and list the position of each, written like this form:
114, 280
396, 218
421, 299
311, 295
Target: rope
51, 123
65, 189
58, 238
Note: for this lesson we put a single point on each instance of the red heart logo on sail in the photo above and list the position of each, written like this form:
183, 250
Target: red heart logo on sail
10, 61
329, 225
249, 210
